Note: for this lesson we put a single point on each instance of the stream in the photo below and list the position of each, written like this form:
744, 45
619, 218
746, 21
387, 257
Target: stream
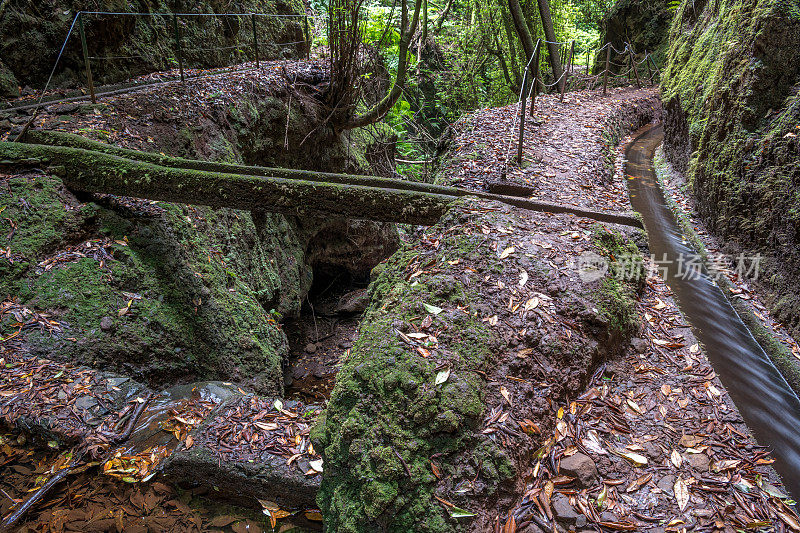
766, 402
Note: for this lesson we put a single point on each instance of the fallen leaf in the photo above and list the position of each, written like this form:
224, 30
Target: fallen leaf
676, 459
432, 309
442, 376
506, 395
681, 493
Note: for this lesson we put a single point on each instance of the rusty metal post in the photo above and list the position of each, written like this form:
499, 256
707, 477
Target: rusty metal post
522, 102
605, 72
255, 39
635, 68
86, 62
178, 46
308, 38
535, 74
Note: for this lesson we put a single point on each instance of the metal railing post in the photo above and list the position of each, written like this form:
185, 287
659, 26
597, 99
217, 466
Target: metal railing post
649, 68
605, 73
308, 38
178, 45
255, 39
522, 102
635, 68
536, 60
86, 62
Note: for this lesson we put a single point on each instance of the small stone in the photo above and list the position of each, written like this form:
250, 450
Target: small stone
563, 510
580, 466
85, 402
653, 451
666, 483
345, 345
311, 347
354, 302
698, 461
106, 323
639, 344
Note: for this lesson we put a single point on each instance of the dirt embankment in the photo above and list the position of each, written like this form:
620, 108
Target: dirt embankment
480, 328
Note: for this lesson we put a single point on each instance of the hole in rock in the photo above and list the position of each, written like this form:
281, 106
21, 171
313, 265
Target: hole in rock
322, 334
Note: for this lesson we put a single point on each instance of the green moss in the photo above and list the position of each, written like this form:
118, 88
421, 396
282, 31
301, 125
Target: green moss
386, 405
730, 89
616, 304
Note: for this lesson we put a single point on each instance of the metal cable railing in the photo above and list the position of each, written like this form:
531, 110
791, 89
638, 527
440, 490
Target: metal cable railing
177, 35
532, 67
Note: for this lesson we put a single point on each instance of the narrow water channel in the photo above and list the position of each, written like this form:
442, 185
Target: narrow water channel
769, 407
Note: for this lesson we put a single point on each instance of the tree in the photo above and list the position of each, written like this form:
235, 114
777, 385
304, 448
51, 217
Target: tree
527, 39
550, 35
344, 38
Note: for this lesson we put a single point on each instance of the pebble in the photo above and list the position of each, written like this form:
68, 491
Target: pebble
311, 347
563, 510
580, 466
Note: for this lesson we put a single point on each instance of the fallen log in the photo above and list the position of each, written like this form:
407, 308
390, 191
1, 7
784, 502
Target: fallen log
246, 187
96, 172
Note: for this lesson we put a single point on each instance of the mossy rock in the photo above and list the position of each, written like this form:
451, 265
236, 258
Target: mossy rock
732, 110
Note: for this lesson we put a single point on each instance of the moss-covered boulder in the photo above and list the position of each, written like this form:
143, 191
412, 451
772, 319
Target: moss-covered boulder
733, 125
441, 404
9, 86
159, 291
129, 46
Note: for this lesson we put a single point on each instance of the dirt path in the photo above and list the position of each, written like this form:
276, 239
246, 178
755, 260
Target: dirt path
655, 443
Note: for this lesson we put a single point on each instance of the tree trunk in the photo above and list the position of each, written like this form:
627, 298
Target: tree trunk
381, 108
550, 35
521, 26
442, 16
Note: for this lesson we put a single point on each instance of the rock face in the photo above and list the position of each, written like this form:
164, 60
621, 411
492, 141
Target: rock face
131, 46
732, 115
167, 292
643, 24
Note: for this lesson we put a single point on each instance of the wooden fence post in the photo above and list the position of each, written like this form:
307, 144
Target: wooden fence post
567, 71
588, 63
255, 39
649, 68
535, 74
605, 72
635, 68
178, 45
86, 62
522, 102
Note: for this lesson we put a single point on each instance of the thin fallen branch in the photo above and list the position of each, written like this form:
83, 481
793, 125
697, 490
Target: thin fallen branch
13, 519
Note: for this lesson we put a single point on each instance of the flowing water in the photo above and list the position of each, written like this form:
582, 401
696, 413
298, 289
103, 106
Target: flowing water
767, 404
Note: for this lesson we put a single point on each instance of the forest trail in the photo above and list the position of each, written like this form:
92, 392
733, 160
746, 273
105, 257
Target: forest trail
653, 437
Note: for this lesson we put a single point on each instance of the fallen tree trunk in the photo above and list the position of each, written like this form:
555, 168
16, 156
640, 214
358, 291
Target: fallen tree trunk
95, 167
95, 172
